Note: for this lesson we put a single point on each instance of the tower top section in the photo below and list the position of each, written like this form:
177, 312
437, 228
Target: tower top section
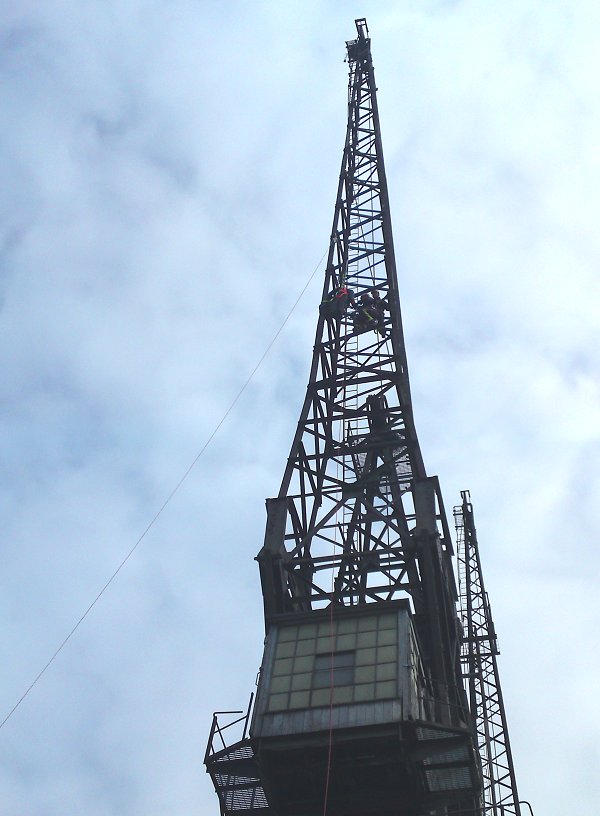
360, 48
355, 492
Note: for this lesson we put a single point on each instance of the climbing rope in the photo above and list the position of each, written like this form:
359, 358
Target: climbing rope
331, 674
156, 516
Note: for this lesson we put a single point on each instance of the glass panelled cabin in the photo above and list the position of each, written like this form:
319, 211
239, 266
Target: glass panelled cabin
353, 685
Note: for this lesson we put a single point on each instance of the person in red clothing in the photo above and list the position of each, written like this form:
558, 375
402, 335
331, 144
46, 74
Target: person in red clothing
337, 302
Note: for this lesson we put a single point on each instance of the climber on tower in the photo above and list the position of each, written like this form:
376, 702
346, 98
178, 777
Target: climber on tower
371, 312
337, 302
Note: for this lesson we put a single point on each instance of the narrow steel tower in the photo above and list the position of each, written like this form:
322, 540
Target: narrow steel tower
361, 706
479, 653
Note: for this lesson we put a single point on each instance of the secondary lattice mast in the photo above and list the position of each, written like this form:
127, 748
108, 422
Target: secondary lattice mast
479, 659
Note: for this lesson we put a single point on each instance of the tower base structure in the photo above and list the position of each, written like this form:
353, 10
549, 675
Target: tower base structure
344, 712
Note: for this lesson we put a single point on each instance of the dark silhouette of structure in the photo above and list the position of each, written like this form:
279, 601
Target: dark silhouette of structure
362, 706
480, 670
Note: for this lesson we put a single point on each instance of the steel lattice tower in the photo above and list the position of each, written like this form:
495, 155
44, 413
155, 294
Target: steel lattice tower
361, 706
355, 481
479, 653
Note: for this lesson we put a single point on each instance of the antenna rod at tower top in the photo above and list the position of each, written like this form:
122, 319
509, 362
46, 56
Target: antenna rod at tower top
362, 27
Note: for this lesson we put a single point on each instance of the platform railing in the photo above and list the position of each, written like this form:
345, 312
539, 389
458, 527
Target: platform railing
220, 736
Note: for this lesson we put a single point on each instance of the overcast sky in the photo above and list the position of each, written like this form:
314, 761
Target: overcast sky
167, 184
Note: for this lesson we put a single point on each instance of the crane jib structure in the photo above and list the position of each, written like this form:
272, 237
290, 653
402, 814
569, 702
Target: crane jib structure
355, 499
363, 640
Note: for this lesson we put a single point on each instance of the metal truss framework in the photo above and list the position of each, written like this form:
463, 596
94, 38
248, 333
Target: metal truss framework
479, 651
357, 520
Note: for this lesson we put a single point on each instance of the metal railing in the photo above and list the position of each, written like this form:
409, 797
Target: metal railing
217, 730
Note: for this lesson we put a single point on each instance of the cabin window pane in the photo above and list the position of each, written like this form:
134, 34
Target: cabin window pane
286, 649
335, 669
367, 624
299, 699
366, 639
288, 633
301, 681
346, 642
306, 647
365, 657
346, 627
